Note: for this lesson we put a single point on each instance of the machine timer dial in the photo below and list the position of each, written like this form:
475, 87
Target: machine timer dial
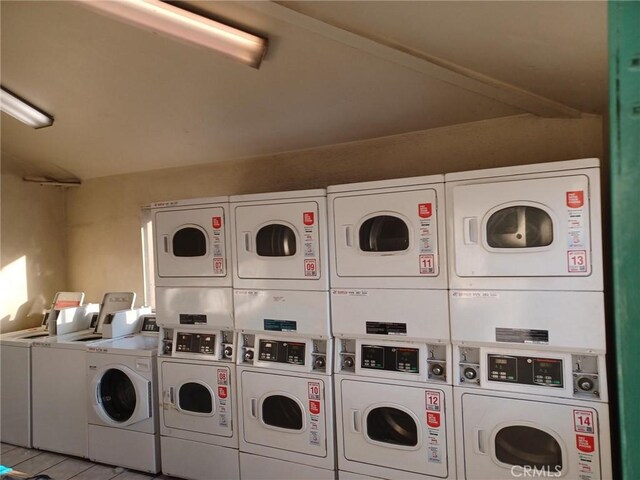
228, 351
437, 370
585, 384
348, 362
320, 362
470, 373
248, 355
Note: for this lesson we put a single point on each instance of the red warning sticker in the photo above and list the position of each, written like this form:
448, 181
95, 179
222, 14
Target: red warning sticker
585, 443
308, 218
424, 210
575, 199
314, 407
222, 392
216, 222
433, 419
66, 304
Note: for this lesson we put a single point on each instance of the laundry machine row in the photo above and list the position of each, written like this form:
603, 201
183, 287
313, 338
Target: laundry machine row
515, 238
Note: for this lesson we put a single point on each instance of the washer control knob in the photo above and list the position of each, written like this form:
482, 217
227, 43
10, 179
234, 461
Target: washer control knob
470, 373
437, 369
167, 348
320, 362
228, 351
248, 355
585, 384
348, 362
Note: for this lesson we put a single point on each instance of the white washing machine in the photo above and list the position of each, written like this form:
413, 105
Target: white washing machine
393, 419
59, 386
533, 227
197, 389
285, 403
15, 368
122, 400
192, 254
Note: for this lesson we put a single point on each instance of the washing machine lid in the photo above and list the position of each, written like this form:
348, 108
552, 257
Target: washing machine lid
121, 397
395, 426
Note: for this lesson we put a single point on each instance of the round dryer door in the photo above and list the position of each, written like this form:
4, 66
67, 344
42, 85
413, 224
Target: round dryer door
390, 425
527, 446
122, 397
384, 233
282, 412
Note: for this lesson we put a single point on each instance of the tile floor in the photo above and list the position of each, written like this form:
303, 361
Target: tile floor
61, 467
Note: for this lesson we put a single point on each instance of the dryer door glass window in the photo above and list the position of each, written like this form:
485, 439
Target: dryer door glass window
528, 447
282, 412
195, 397
189, 242
117, 395
519, 227
390, 425
276, 240
384, 233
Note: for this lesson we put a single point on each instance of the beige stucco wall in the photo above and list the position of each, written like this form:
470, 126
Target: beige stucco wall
104, 214
32, 249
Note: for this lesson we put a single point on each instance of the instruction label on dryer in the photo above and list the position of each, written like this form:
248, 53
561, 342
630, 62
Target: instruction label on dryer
223, 397
310, 244
577, 261
583, 425
315, 413
434, 433
427, 240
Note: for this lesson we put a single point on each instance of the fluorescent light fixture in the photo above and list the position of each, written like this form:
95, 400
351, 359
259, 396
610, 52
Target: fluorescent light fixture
183, 25
23, 111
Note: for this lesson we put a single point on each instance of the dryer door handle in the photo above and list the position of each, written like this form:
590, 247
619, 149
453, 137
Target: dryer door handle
348, 235
247, 241
253, 408
479, 446
171, 396
355, 421
470, 227
165, 241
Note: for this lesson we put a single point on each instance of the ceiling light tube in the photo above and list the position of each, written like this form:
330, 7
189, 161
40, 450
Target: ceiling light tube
23, 111
183, 25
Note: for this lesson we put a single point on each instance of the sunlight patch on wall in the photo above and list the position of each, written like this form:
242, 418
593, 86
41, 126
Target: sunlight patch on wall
13, 289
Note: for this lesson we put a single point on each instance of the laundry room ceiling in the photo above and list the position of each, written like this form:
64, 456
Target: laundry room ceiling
126, 99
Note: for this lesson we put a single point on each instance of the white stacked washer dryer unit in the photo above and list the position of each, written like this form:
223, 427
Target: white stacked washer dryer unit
59, 378
527, 321
394, 406
122, 399
15, 369
196, 370
281, 301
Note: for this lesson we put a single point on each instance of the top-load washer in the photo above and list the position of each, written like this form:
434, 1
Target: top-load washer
281, 274
15, 368
533, 227
193, 254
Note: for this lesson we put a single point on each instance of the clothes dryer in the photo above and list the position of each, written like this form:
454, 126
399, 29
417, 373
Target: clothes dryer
285, 402
533, 227
192, 254
393, 420
15, 368
122, 400
197, 389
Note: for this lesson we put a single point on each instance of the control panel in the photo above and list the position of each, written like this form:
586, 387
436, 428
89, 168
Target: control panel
203, 343
525, 370
149, 324
195, 343
390, 358
281, 352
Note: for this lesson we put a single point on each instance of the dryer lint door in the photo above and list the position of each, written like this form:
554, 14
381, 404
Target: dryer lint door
395, 426
523, 228
191, 243
194, 400
386, 234
120, 396
504, 436
278, 241
278, 412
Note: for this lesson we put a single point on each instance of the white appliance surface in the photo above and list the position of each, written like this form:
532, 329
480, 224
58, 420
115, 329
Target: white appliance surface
287, 416
499, 435
258, 467
394, 429
529, 227
388, 234
194, 306
396, 314
122, 402
564, 320
280, 240
195, 460
297, 312
192, 242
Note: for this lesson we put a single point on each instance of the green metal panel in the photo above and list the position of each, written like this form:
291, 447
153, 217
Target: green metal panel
624, 89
